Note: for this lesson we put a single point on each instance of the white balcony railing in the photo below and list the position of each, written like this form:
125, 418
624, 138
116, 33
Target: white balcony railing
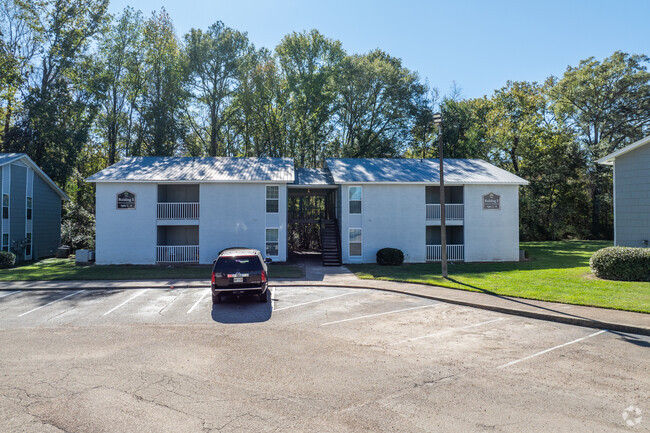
454, 253
178, 211
177, 254
452, 211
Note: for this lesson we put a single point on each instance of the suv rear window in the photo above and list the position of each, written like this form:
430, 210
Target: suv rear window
238, 264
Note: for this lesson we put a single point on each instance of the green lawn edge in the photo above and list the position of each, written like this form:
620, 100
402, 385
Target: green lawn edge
67, 270
558, 271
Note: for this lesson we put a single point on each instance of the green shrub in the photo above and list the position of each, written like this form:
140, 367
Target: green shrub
7, 259
621, 263
390, 257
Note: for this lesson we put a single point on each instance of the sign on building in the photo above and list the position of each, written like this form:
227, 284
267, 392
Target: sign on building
126, 200
491, 201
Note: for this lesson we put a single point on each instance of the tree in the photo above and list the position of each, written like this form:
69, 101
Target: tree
262, 108
514, 119
379, 102
464, 126
162, 71
215, 65
18, 46
608, 105
310, 63
62, 99
118, 56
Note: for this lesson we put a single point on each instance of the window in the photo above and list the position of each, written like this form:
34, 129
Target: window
355, 242
355, 199
5, 206
272, 242
29, 208
28, 245
5, 242
272, 199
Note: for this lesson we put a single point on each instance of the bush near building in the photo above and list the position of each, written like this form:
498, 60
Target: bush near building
7, 259
390, 257
621, 263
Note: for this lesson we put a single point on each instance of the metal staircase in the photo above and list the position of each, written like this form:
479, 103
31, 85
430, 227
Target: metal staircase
330, 243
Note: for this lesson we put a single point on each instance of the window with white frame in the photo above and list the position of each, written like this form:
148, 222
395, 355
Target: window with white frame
28, 245
272, 245
355, 242
355, 199
5, 242
272, 199
5, 206
29, 208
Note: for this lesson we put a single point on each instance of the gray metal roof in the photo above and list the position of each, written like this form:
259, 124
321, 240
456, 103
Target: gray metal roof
410, 170
313, 177
206, 169
609, 159
7, 158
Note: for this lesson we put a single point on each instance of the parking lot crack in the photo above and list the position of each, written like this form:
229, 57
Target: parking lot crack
433, 381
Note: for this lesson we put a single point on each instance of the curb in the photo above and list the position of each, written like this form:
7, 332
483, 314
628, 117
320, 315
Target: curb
576, 321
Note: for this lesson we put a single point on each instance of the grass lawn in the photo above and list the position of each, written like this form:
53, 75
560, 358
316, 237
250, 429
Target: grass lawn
66, 269
557, 271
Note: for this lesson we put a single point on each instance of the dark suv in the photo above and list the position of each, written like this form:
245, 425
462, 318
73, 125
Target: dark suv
239, 271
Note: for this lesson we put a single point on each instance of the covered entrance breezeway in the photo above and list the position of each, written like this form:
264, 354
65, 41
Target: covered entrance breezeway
312, 215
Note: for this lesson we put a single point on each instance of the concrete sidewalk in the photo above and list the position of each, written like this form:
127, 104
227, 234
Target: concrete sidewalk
317, 275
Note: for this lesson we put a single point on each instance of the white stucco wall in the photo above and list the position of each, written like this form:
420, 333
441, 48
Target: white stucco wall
126, 235
231, 215
234, 215
491, 235
391, 216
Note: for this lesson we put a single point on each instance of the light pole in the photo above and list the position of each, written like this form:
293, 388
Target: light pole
437, 120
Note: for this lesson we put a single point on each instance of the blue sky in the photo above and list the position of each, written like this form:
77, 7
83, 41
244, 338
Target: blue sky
479, 45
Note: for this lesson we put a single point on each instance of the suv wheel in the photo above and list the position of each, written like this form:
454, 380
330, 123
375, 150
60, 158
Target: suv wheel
216, 298
263, 296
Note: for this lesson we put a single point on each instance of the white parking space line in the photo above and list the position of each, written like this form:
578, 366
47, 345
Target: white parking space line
130, 299
552, 348
50, 303
9, 294
379, 314
445, 331
313, 302
198, 302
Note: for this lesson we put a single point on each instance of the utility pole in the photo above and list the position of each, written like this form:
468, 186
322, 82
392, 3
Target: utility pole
437, 120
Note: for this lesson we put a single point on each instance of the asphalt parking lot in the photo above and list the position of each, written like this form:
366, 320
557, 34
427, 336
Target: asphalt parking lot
313, 359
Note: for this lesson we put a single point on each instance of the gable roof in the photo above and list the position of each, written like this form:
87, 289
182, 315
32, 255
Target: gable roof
313, 177
8, 158
609, 159
410, 170
199, 169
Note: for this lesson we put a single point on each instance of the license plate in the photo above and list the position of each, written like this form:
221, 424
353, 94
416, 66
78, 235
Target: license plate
238, 280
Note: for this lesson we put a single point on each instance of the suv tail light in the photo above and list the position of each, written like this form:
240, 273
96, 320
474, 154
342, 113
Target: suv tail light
263, 276
214, 277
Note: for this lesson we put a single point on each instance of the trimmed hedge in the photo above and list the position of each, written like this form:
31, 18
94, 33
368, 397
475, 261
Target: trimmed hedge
7, 259
621, 263
390, 257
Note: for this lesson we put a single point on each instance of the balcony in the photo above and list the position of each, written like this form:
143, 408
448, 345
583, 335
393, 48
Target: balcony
178, 211
455, 253
177, 254
453, 212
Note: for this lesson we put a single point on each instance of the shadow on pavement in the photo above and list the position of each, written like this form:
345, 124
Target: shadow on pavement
244, 309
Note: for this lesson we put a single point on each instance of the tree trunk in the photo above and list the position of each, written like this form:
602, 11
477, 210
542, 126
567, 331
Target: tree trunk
7, 125
513, 155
